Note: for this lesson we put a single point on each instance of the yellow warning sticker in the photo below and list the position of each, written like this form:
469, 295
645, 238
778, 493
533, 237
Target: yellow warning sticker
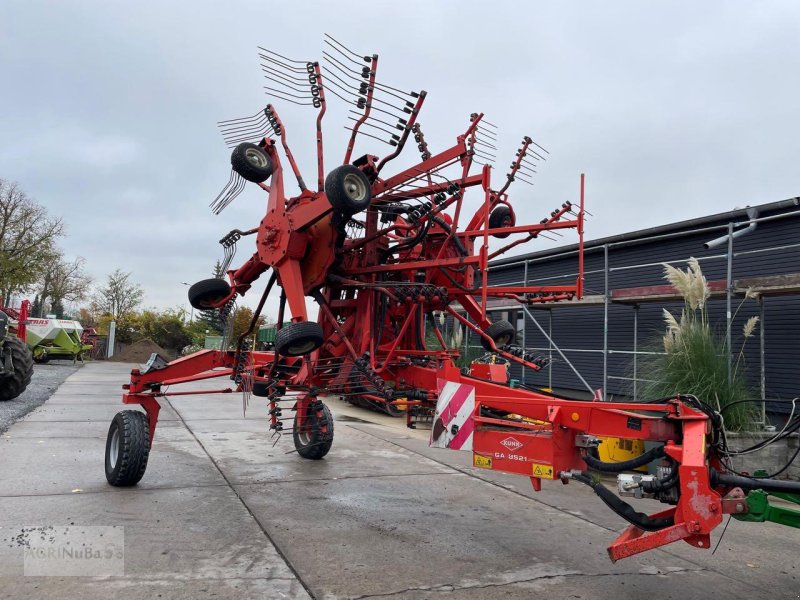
543, 471
484, 462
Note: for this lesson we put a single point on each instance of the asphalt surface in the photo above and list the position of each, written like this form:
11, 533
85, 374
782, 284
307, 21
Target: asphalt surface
223, 513
46, 379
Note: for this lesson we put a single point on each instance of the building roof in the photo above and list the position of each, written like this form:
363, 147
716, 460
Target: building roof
643, 235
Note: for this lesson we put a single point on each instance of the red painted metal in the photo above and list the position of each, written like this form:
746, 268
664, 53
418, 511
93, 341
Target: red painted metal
383, 276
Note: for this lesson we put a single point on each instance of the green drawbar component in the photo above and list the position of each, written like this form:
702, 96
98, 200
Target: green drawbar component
761, 510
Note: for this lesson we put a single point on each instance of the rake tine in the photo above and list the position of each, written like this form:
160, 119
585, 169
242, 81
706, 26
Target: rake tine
329, 89
482, 143
277, 94
525, 169
343, 68
397, 126
248, 134
283, 81
291, 60
390, 143
378, 127
491, 135
364, 58
266, 87
232, 189
256, 116
343, 85
295, 74
234, 127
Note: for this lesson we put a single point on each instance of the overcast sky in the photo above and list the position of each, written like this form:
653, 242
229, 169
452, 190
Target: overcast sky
672, 109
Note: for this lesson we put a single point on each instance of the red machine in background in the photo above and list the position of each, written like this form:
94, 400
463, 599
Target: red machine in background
381, 253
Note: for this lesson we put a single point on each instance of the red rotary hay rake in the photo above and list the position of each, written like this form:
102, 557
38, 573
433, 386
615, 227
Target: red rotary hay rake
380, 254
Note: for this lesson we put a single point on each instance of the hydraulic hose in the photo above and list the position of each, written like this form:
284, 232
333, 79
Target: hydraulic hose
622, 508
595, 463
754, 483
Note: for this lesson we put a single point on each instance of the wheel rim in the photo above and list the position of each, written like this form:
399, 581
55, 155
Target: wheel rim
256, 158
503, 340
302, 347
354, 187
113, 449
303, 436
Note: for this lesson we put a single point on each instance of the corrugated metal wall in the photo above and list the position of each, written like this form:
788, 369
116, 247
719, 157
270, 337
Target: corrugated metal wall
773, 248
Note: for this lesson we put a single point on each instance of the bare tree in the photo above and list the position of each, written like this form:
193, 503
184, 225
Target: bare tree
119, 295
27, 239
64, 280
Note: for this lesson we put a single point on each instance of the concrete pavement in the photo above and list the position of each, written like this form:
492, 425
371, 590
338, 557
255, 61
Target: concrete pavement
222, 513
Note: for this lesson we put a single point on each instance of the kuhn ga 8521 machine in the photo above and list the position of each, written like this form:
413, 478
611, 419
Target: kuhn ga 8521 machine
380, 252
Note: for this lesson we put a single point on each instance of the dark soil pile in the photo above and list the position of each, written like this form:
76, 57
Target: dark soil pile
139, 352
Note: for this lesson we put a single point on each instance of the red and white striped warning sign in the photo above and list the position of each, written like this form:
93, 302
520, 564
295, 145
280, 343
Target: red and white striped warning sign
452, 422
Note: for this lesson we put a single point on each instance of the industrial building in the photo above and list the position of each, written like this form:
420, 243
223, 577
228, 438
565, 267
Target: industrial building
620, 318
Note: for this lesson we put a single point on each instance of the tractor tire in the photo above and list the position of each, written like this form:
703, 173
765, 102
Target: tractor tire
316, 437
208, 293
501, 216
127, 448
297, 339
348, 189
251, 162
502, 332
13, 384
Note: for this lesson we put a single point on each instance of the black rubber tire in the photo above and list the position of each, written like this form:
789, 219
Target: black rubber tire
393, 410
132, 448
251, 162
13, 384
317, 438
297, 339
260, 389
42, 360
501, 216
502, 332
348, 189
208, 293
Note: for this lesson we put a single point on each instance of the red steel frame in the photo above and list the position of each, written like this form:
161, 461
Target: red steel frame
375, 289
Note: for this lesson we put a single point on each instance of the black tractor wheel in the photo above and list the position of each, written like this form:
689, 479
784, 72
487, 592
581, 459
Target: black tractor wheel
14, 383
251, 162
127, 448
348, 189
296, 339
501, 216
314, 439
208, 293
502, 332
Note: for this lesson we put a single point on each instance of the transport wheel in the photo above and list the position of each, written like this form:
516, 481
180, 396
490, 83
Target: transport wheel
260, 389
348, 189
296, 339
251, 162
314, 439
501, 216
502, 332
127, 448
13, 384
208, 293
393, 410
